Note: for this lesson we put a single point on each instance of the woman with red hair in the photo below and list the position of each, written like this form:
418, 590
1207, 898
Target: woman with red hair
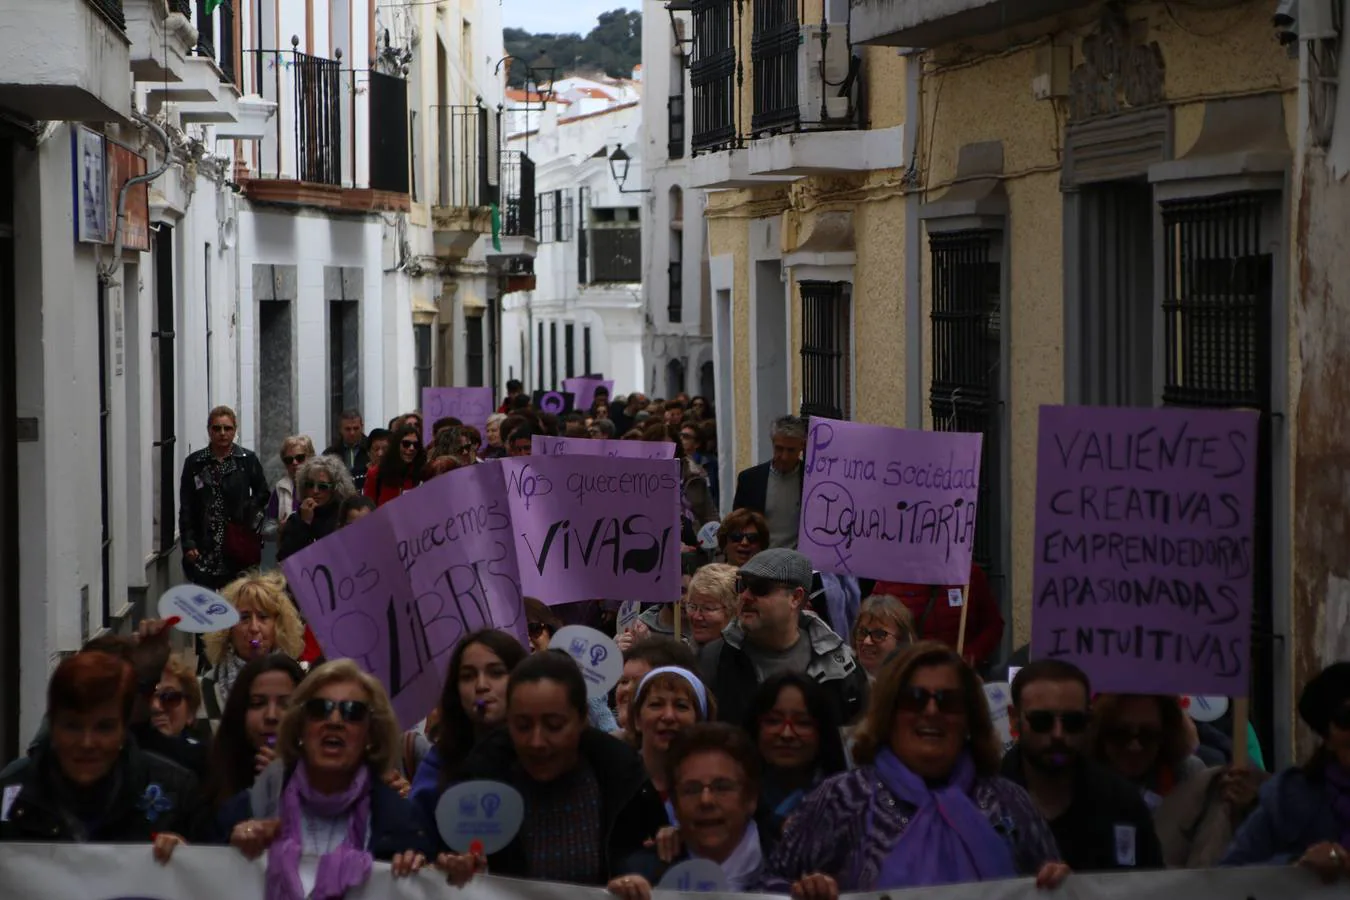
87, 781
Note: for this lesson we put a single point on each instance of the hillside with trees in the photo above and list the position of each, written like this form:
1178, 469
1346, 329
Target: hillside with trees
613, 46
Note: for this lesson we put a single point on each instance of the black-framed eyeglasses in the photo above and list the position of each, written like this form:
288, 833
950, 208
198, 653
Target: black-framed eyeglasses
876, 635
295, 460
758, 587
1042, 721
320, 709
915, 699
317, 486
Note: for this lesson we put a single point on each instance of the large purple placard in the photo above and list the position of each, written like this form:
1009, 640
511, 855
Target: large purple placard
890, 504
545, 445
1143, 556
596, 528
585, 388
471, 405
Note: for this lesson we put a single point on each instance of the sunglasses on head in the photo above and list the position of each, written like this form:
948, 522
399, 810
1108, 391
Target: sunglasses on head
317, 485
320, 709
914, 699
294, 460
1042, 721
738, 537
169, 699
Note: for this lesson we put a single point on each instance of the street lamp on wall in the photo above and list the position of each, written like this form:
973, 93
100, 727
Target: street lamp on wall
684, 43
618, 170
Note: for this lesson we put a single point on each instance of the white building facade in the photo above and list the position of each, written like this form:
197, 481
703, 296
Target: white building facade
582, 312
678, 345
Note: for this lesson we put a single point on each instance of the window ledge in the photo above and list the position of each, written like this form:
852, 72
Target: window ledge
828, 152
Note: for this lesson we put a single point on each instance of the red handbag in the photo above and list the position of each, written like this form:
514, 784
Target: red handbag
243, 546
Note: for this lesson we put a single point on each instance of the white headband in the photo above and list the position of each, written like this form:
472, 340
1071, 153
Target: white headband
699, 690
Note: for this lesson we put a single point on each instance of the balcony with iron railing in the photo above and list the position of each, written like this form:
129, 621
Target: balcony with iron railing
516, 232
930, 23
314, 152
468, 172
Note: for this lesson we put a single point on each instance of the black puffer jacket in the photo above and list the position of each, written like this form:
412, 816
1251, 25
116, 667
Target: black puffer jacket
149, 794
297, 534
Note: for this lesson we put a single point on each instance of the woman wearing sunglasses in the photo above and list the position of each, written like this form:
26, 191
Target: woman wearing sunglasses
285, 499
744, 533
401, 468
1146, 740
176, 701
325, 484
331, 815
926, 805
473, 704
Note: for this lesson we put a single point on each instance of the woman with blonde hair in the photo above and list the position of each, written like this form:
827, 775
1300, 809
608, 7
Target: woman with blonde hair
296, 450
323, 812
268, 623
885, 625
711, 603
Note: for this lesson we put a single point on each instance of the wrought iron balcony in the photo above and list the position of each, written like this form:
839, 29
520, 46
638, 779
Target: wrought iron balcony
215, 33
712, 76
773, 52
468, 155
517, 195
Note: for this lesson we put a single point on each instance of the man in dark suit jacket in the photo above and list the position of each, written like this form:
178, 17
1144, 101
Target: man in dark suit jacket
774, 488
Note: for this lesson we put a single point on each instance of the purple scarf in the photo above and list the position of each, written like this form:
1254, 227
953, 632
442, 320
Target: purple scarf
948, 840
347, 866
1338, 784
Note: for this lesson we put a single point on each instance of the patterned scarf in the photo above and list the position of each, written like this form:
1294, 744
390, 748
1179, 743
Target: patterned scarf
226, 673
345, 867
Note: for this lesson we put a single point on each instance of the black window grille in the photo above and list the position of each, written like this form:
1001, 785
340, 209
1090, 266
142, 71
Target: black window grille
570, 350
206, 30
712, 75
422, 357
554, 212
473, 350
773, 51
164, 344
539, 370
1218, 301
518, 197
966, 392
318, 120
675, 123
388, 105
583, 239
586, 349
617, 255
553, 356
113, 10
675, 302
227, 54
827, 365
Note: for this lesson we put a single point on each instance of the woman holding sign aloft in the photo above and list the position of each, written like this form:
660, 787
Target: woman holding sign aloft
331, 816
926, 805
1303, 814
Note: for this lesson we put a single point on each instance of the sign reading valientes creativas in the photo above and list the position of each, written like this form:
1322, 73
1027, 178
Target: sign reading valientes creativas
596, 528
888, 503
1143, 556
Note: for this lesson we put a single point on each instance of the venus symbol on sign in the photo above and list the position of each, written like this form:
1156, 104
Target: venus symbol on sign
598, 654
491, 803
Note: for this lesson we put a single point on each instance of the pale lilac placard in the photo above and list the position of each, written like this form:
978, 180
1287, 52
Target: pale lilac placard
596, 528
585, 388
471, 405
350, 587
545, 445
1144, 547
888, 503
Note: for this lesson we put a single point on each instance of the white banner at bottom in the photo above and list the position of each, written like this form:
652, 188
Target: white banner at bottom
124, 872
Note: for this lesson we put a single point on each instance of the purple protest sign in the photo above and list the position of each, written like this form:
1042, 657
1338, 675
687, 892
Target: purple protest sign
889, 504
544, 445
456, 543
596, 528
471, 405
1144, 548
585, 388
356, 598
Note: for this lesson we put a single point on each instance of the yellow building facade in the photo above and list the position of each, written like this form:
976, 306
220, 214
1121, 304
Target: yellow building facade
1053, 202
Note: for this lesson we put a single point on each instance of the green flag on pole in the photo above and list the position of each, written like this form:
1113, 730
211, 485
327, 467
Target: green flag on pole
213, 5
496, 227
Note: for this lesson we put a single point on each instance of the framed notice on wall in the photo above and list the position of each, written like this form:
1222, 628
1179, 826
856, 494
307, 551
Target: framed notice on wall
125, 164
90, 171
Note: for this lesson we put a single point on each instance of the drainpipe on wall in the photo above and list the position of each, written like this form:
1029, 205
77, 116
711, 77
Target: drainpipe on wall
913, 297
108, 273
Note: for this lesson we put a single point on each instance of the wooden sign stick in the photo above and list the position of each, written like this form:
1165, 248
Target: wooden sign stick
961, 635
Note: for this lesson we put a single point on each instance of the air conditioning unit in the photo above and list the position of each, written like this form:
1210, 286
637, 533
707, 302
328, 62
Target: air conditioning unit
823, 58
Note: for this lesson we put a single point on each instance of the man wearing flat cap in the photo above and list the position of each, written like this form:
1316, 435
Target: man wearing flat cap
1303, 814
775, 633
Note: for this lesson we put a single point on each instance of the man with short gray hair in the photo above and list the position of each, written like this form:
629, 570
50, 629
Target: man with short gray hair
774, 488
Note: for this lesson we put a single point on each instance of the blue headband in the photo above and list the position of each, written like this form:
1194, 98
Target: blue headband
699, 690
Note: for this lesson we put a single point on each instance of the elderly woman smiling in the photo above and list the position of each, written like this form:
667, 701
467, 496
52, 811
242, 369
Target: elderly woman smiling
926, 805
711, 602
885, 624
325, 814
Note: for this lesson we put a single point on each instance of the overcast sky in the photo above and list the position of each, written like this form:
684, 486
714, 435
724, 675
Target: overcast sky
556, 16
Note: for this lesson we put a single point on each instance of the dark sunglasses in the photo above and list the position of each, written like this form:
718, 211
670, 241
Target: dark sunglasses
320, 709
1042, 721
413, 445
737, 537
294, 460
1122, 737
758, 587
916, 699
317, 485
169, 699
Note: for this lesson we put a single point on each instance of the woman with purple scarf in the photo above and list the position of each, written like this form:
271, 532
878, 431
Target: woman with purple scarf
1303, 814
323, 811
925, 806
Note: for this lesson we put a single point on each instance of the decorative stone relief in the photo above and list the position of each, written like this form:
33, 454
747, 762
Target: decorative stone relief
1119, 70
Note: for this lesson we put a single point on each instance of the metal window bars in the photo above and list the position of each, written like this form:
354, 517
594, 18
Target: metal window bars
826, 363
